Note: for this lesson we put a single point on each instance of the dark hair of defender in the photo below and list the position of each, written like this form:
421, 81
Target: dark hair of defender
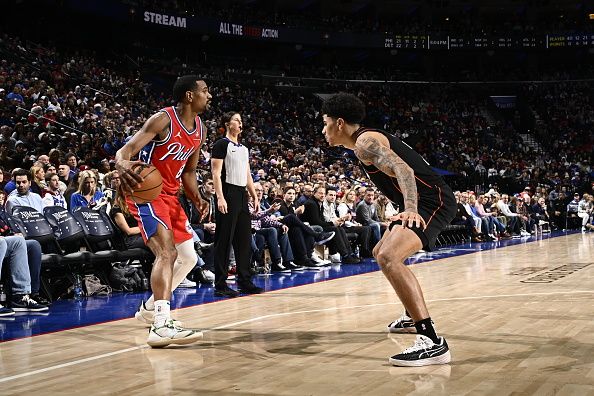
346, 106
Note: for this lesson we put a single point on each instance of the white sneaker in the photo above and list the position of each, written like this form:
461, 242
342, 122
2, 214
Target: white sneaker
208, 275
186, 283
169, 333
147, 316
318, 261
335, 258
524, 233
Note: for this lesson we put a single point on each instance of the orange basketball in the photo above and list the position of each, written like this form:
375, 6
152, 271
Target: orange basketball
151, 187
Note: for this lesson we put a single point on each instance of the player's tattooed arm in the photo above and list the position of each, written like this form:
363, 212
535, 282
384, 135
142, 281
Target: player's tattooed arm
371, 151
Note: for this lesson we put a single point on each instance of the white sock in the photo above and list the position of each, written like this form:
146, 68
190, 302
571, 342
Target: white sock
161, 312
150, 303
186, 260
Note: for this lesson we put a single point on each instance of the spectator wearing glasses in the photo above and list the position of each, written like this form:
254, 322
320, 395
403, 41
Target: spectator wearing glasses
306, 193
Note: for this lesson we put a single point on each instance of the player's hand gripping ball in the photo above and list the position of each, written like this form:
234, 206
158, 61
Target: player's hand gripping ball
150, 188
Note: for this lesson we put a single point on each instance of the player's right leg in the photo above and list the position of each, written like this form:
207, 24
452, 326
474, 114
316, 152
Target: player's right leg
429, 348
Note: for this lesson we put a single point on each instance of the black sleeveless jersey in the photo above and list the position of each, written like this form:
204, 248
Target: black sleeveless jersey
429, 183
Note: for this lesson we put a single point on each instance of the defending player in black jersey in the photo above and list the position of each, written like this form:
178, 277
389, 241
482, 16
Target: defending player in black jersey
429, 206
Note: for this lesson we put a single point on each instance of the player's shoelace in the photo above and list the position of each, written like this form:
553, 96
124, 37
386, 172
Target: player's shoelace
421, 343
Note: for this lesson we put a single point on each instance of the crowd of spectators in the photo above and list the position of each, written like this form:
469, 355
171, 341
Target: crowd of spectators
64, 115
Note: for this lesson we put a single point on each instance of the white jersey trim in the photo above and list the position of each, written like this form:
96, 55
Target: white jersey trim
182, 124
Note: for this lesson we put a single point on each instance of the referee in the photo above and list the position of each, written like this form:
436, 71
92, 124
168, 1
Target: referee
231, 175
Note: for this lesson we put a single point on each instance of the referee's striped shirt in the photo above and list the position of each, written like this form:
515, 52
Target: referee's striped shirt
235, 158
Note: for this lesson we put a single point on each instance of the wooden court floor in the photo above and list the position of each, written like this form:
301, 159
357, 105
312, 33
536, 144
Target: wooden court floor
519, 321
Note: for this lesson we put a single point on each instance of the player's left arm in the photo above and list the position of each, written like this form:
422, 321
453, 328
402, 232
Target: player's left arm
252, 189
373, 148
190, 183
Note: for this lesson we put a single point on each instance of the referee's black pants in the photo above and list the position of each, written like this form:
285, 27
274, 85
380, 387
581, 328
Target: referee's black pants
234, 228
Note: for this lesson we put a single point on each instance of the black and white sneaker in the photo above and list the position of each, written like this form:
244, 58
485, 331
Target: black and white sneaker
294, 267
404, 324
309, 264
24, 303
424, 352
279, 267
5, 311
323, 237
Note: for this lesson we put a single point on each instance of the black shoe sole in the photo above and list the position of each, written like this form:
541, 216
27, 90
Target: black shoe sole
226, 294
7, 314
441, 359
251, 291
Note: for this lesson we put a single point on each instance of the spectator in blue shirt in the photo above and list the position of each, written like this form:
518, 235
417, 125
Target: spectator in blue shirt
16, 94
22, 196
87, 194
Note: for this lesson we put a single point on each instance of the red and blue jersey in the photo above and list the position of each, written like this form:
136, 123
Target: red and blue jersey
170, 155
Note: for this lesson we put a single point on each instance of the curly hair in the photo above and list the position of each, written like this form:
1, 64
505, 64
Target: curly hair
346, 106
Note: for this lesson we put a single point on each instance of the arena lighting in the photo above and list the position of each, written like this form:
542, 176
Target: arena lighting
591, 16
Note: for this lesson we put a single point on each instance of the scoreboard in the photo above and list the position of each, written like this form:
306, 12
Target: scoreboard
488, 41
407, 41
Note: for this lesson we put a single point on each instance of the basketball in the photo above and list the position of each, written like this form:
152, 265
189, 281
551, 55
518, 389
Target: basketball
151, 187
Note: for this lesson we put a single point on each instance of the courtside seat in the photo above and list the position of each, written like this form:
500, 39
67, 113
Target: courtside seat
29, 222
67, 230
55, 262
451, 234
97, 229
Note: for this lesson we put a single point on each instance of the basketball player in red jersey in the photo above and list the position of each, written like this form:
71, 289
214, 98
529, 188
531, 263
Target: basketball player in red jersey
170, 140
429, 205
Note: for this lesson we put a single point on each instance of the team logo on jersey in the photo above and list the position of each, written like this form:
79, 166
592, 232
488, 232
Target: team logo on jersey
177, 152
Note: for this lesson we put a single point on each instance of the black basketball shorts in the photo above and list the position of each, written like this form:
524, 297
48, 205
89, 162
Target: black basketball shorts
438, 212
